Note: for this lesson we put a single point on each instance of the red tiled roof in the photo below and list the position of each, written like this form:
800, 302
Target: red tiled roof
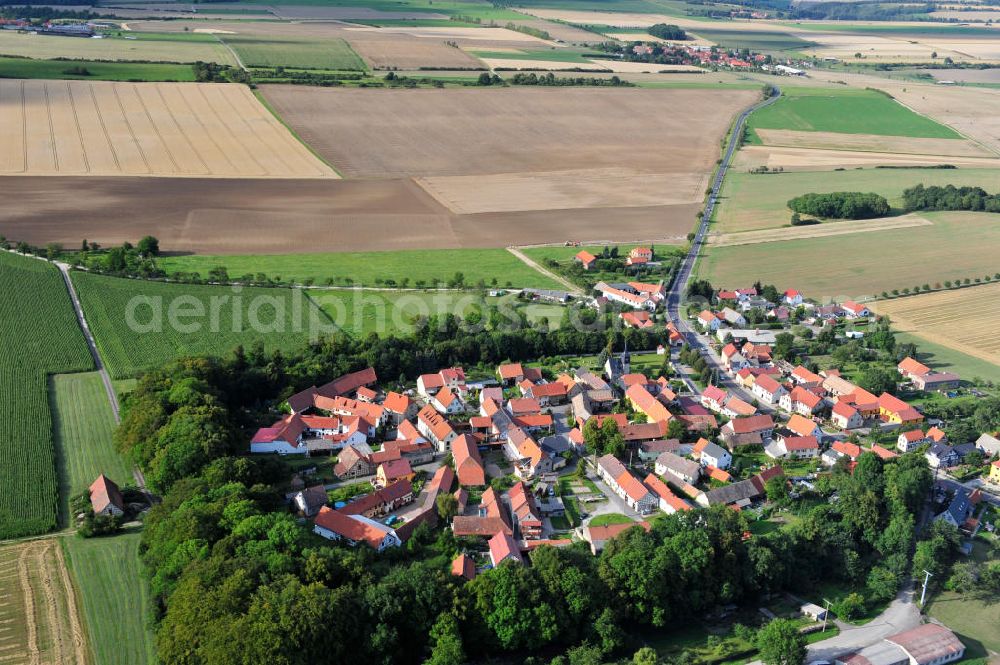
510, 371
463, 566
348, 383
801, 425
349, 527
751, 424
397, 403
104, 492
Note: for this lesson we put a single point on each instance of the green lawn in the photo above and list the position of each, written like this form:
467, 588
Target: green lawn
362, 312
944, 359
83, 423
140, 324
974, 622
610, 518
376, 268
25, 68
847, 111
114, 598
957, 245
755, 41
750, 202
274, 51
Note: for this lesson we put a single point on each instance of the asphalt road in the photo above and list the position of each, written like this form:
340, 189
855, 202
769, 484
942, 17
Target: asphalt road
679, 286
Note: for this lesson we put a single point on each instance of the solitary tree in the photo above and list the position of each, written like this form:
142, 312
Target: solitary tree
781, 643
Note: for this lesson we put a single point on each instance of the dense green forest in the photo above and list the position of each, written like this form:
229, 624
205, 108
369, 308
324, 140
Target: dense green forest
950, 197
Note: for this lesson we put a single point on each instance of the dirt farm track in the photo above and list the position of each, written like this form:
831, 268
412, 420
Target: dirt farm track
166, 129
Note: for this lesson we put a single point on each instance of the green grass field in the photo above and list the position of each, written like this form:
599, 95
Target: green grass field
846, 111
361, 312
375, 268
114, 598
974, 620
294, 52
83, 426
25, 68
139, 324
750, 202
943, 359
39, 335
957, 245
114, 48
755, 41
610, 518
481, 10
547, 55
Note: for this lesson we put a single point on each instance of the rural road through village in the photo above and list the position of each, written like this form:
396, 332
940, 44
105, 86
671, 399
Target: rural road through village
683, 276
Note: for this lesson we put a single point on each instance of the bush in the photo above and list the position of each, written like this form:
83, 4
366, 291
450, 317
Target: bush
666, 31
841, 205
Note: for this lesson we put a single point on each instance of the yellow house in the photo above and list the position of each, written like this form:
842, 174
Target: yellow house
995, 473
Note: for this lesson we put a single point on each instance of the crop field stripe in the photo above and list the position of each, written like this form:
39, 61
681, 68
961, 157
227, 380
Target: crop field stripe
39, 335
131, 130
265, 136
104, 129
79, 130
236, 117
180, 136
156, 130
295, 134
225, 127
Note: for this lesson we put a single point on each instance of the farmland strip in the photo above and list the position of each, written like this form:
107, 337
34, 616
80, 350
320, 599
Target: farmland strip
79, 131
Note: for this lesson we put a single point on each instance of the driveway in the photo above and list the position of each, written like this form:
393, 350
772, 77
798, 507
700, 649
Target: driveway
902, 614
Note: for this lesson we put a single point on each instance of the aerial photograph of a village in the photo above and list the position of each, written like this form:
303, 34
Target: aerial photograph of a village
500, 332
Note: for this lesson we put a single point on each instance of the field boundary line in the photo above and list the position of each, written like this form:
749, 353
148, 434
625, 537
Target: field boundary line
24, 131
52, 130
45, 576
534, 265
942, 122
239, 117
267, 105
79, 130
232, 51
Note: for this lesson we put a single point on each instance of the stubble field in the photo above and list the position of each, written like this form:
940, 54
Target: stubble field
148, 50
39, 621
965, 319
167, 129
957, 245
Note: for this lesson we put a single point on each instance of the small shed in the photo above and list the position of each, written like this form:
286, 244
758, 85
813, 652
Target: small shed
814, 612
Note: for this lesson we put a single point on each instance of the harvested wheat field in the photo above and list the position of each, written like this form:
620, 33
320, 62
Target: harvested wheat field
812, 159
385, 133
502, 64
46, 47
272, 216
621, 67
816, 230
965, 320
39, 622
872, 143
164, 129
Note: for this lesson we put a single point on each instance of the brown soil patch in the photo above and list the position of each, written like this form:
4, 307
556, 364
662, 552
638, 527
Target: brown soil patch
224, 216
564, 33
964, 320
871, 143
587, 188
385, 133
816, 230
165, 129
